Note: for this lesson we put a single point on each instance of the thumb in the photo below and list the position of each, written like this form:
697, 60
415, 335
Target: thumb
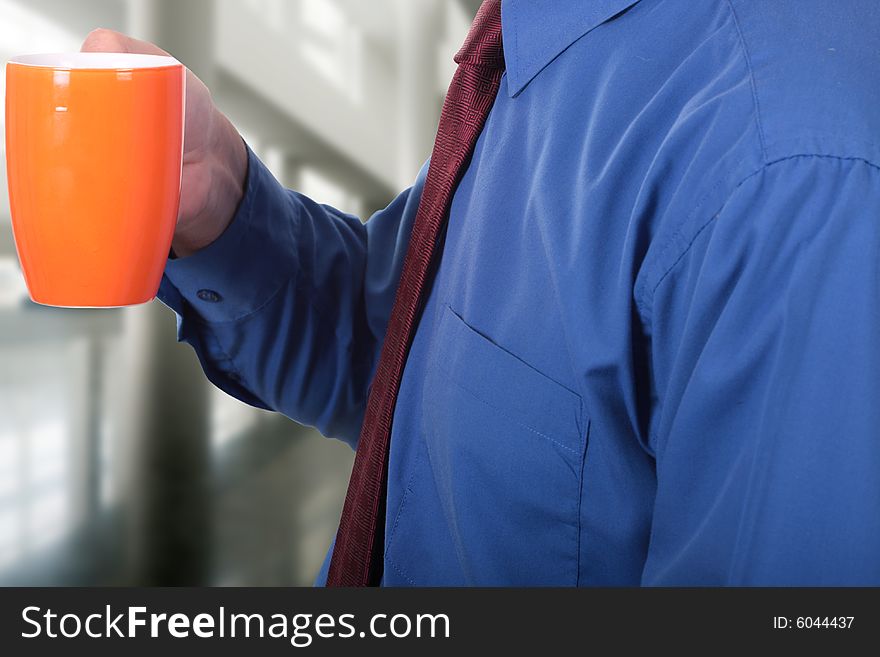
103, 40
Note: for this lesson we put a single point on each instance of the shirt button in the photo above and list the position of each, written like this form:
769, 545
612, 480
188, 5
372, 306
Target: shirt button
209, 295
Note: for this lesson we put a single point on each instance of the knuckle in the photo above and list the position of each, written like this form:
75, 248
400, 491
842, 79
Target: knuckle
102, 39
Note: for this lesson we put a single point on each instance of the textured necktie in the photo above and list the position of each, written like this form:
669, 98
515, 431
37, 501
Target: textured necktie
358, 554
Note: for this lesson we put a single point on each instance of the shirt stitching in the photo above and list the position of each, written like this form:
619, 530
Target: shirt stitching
233, 373
752, 83
509, 417
581, 500
406, 492
394, 565
293, 275
565, 334
653, 438
518, 62
644, 294
740, 184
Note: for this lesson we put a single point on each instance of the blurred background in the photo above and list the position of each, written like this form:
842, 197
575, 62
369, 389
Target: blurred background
119, 463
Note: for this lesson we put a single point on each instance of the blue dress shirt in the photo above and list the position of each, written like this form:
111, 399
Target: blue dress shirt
651, 351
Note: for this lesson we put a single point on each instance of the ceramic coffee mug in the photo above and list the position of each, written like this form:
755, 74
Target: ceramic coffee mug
94, 145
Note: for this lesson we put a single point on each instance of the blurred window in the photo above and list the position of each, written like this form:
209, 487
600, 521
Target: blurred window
333, 44
38, 449
12, 288
36, 505
328, 39
275, 160
230, 418
275, 13
316, 185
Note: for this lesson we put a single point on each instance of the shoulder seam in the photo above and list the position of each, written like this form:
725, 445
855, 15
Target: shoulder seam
646, 309
754, 87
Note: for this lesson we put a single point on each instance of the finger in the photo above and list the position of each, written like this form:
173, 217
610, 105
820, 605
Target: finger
104, 40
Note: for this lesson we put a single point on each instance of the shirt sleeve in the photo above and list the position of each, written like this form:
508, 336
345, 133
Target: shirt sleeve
286, 310
766, 359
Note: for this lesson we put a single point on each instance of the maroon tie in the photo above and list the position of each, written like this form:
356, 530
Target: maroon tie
358, 555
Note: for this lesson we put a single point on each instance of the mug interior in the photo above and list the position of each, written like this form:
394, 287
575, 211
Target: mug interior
95, 61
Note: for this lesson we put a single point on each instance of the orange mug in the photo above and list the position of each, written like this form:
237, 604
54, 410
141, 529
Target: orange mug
94, 148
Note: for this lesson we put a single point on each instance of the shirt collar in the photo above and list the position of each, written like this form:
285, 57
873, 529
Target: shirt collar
535, 32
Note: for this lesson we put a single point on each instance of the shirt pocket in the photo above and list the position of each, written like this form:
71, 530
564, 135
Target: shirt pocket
506, 446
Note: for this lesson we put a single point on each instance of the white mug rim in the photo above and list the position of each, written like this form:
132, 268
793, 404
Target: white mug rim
96, 61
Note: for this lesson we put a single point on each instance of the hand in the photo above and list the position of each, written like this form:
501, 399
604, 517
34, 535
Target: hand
214, 155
